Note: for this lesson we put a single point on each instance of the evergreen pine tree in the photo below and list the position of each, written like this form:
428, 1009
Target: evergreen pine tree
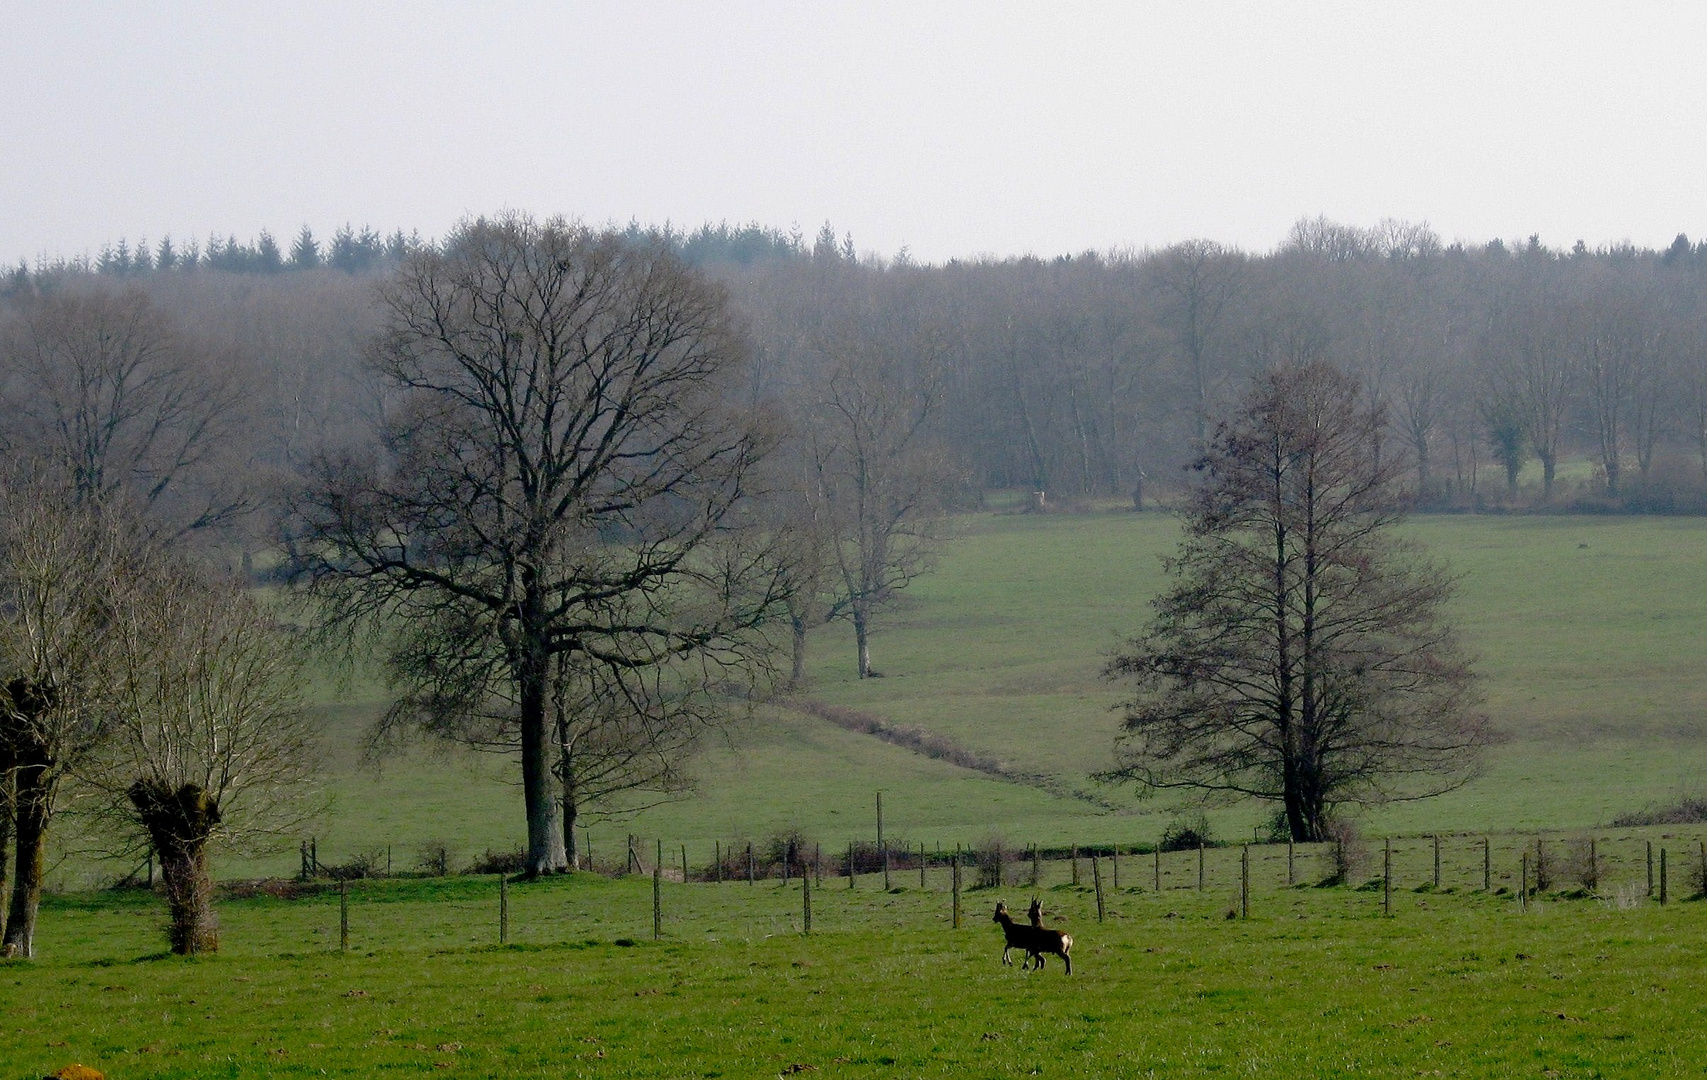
305, 253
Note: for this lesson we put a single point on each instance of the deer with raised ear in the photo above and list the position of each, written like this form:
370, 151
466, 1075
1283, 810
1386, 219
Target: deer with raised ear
1035, 940
1056, 942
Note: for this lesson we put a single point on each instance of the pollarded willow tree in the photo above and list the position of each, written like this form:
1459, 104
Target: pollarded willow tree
562, 478
206, 742
60, 560
1301, 654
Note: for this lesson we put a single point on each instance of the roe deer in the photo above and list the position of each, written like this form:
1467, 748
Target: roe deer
1035, 940
1047, 941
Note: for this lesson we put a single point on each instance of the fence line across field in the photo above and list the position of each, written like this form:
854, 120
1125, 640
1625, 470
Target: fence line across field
1450, 862
1519, 868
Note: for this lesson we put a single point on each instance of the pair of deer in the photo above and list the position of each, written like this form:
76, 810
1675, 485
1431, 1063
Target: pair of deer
1036, 940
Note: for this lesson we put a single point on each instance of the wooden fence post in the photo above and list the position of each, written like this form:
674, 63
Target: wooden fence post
1523, 888
1665, 880
818, 864
717, 858
880, 843
1200, 866
1487, 865
657, 901
503, 909
751, 876
1650, 869
1437, 861
1387, 876
633, 857
1245, 882
954, 871
684, 864
1075, 857
806, 903
1115, 859
1096, 881
1036, 867
343, 916
1158, 868
921, 864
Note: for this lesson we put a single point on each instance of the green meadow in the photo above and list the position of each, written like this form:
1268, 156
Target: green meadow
1591, 634
1317, 981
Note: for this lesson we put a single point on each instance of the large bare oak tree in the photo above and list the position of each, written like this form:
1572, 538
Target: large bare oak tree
1301, 654
561, 476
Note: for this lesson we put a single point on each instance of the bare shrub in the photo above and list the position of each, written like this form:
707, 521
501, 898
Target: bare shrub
1188, 831
990, 859
365, 864
513, 861
791, 848
1689, 810
1582, 863
1346, 854
433, 859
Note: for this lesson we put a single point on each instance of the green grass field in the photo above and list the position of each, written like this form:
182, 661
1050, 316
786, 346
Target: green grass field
1317, 982
1591, 633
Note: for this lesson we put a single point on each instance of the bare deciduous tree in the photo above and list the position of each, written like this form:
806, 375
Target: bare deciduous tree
103, 387
561, 476
59, 559
1300, 655
1200, 277
207, 742
876, 483
1530, 370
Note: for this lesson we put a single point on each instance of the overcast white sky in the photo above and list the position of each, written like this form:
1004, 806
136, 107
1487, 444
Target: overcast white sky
954, 129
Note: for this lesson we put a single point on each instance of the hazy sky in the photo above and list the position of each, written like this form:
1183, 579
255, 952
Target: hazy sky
954, 129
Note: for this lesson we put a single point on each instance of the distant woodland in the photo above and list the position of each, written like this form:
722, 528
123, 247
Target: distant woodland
1513, 376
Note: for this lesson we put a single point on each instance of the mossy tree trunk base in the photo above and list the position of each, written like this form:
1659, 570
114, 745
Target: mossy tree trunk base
180, 823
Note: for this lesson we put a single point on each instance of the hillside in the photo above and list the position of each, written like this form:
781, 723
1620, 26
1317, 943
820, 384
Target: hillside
1590, 633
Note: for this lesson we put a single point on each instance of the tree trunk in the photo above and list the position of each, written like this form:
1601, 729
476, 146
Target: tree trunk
797, 673
863, 638
1548, 462
545, 854
179, 824
571, 812
6, 771
34, 806
571, 849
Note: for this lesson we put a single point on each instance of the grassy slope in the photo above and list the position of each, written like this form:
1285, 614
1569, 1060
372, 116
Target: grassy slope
1591, 633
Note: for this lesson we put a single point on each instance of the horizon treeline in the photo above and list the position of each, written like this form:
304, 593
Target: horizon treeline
1083, 376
